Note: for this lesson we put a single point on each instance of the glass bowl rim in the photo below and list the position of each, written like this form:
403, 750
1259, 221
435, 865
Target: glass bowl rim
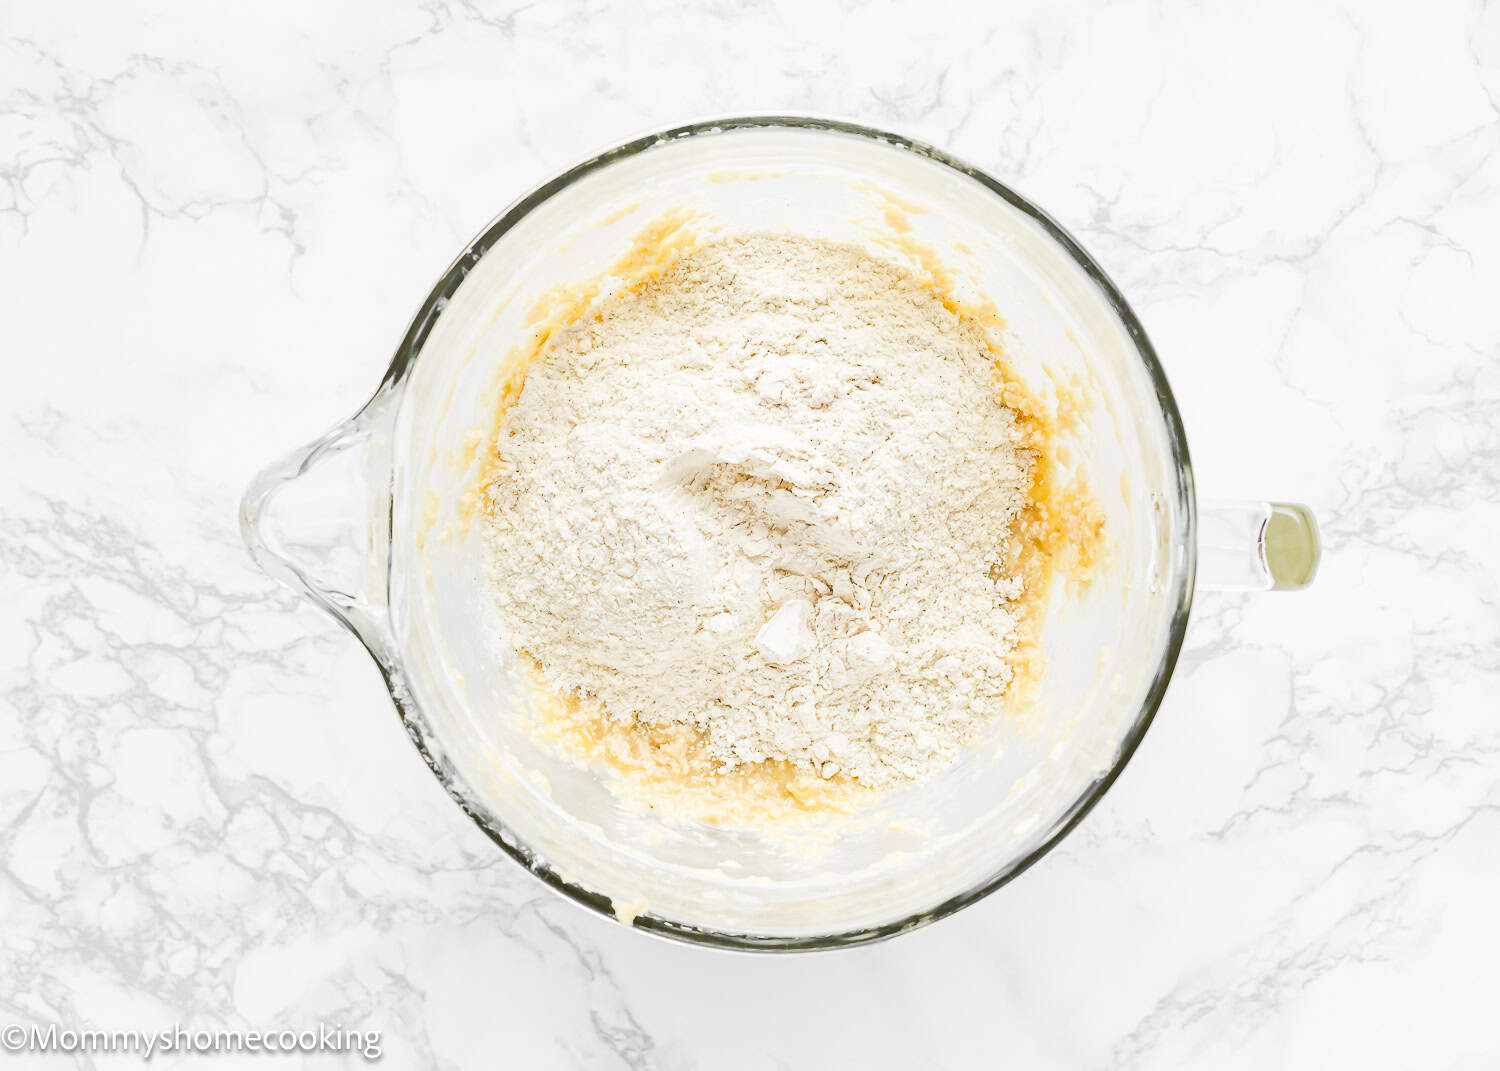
447, 285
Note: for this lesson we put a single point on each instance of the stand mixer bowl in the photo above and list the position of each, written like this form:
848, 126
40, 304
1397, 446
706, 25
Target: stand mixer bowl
368, 522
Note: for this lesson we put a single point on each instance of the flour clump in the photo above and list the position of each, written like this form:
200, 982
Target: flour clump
769, 495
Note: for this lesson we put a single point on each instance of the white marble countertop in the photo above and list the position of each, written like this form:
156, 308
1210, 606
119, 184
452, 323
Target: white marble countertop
213, 226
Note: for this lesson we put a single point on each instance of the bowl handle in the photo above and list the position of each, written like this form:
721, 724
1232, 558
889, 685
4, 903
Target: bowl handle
319, 521
1256, 546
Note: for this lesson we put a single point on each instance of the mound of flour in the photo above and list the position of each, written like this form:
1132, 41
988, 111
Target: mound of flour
768, 496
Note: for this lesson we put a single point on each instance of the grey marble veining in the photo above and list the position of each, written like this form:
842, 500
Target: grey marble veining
213, 226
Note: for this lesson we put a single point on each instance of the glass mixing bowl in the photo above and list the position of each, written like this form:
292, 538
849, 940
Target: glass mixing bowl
365, 522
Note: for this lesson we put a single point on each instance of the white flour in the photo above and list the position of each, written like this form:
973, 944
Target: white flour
768, 496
